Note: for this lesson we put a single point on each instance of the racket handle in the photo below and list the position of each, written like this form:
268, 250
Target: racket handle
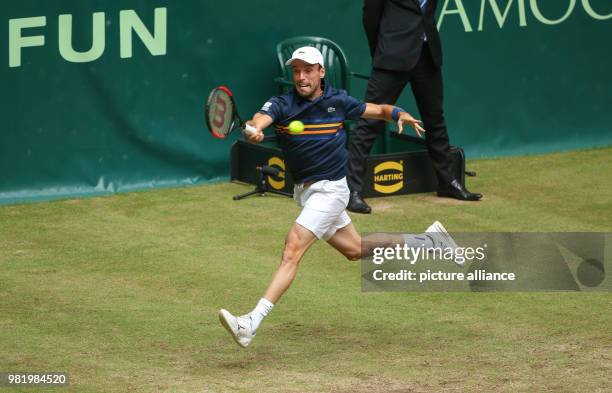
249, 130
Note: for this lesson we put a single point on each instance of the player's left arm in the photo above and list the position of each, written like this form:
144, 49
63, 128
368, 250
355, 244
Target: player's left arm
392, 113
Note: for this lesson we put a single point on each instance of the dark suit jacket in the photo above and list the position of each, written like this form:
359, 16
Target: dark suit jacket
395, 32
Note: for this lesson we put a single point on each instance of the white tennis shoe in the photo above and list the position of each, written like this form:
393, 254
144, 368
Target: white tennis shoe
238, 327
442, 239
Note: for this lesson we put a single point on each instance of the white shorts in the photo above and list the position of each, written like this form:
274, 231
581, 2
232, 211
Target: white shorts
323, 204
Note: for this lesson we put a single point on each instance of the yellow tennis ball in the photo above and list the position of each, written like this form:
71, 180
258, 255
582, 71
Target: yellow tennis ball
296, 127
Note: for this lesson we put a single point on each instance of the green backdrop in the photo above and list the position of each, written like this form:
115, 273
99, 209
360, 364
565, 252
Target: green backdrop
521, 76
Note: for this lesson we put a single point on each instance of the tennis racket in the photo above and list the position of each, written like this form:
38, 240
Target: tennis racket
222, 116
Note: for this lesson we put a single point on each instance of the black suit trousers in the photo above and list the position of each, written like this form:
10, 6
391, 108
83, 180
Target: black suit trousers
385, 87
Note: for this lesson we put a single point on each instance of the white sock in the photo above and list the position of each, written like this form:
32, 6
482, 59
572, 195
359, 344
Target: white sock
418, 241
263, 307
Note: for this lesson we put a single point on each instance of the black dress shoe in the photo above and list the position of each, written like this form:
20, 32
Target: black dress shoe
357, 204
455, 190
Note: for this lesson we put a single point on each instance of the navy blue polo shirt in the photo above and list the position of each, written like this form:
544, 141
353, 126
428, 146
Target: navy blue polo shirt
318, 153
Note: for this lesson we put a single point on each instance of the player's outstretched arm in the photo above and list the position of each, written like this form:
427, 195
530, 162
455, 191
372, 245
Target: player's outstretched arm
260, 122
392, 113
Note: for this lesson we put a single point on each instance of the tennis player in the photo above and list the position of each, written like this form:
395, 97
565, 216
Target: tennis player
317, 159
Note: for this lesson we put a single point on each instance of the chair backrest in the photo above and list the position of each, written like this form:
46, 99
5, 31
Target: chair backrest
336, 65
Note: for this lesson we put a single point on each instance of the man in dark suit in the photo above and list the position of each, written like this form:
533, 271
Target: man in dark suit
405, 48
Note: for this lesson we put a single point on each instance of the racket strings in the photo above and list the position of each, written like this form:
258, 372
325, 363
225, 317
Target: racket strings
220, 112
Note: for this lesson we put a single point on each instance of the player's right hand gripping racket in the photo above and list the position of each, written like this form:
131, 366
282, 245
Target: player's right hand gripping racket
221, 114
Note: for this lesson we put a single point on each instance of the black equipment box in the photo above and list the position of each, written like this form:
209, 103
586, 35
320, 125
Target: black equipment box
401, 166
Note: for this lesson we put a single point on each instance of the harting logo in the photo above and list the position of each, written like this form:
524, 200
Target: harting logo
389, 177
277, 182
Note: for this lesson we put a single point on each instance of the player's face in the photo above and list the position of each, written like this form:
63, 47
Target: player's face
307, 78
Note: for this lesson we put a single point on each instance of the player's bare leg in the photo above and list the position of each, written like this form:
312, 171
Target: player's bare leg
297, 242
350, 243
243, 328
